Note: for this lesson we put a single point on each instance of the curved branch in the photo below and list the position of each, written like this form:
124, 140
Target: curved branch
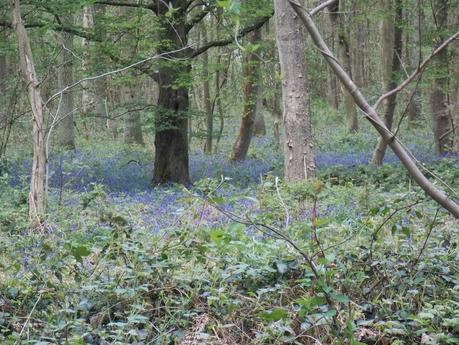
418, 70
56, 27
255, 26
402, 153
198, 18
137, 4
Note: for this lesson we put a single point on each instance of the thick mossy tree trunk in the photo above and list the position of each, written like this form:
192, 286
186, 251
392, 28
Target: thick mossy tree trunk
65, 130
252, 76
299, 160
391, 33
171, 122
442, 122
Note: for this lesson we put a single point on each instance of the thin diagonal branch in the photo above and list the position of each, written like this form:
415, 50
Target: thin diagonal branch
255, 26
322, 6
402, 153
418, 70
119, 70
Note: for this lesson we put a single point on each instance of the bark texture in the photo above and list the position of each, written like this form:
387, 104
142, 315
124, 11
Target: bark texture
37, 179
207, 101
252, 76
344, 53
65, 132
415, 58
259, 126
132, 119
442, 121
436, 194
171, 122
391, 33
87, 99
299, 160
100, 84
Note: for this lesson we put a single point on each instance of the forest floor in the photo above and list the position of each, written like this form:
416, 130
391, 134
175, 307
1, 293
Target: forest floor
360, 256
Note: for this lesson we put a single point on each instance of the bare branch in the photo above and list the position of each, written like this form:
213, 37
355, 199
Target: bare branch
255, 26
165, 56
418, 70
198, 17
402, 153
56, 27
137, 4
322, 6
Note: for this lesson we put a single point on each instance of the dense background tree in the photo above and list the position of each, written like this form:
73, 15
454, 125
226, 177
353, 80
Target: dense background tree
292, 241
391, 53
251, 72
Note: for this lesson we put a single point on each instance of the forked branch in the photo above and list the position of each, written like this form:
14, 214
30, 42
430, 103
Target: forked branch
418, 70
438, 195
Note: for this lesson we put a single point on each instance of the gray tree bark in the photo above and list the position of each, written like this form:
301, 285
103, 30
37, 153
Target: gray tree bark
299, 160
442, 121
333, 87
344, 53
259, 126
206, 94
132, 119
415, 58
436, 194
87, 96
65, 132
391, 33
100, 87
252, 77
37, 179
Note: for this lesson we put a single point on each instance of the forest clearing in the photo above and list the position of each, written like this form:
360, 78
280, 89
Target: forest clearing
229, 172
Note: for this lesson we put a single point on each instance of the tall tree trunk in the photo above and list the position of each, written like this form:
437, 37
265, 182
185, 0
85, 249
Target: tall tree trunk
357, 42
259, 126
132, 120
455, 110
345, 55
171, 122
442, 122
333, 88
100, 84
87, 96
206, 93
37, 179
65, 133
435, 193
5, 110
299, 160
456, 120
414, 108
391, 33
277, 118
252, 76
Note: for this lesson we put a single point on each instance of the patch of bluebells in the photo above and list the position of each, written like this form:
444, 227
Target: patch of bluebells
126, 176
131, 171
